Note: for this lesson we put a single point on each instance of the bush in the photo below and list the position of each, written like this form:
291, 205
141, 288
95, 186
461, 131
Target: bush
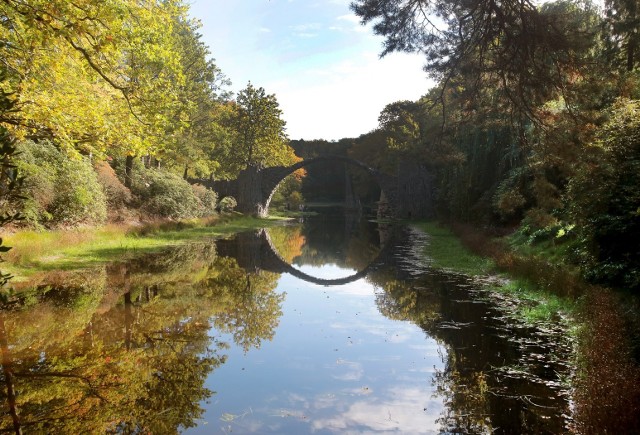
116, 192
79, 197
58, 189
208, 200
38, 163
605, 197
228, 203
165, 194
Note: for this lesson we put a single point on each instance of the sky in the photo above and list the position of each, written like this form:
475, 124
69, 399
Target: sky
321, 64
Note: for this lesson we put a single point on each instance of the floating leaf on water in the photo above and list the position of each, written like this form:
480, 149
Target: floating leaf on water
228, 417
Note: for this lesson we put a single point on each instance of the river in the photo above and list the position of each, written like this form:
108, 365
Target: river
333, 325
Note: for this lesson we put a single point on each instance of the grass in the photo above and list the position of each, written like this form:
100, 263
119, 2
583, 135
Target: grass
530, 280
536, 305
447, 251
41, 251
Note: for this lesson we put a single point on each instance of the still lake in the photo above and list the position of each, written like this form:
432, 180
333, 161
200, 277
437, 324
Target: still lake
333, 325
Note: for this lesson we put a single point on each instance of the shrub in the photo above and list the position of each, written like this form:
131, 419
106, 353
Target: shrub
58, 189
38, 163
208, 200
228, 203
604, 196
165, 194
79, 197
116, 192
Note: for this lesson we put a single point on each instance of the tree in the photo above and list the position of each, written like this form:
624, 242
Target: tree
93, 75
529, 53
196, 134
604, 198
622, 21
259, 131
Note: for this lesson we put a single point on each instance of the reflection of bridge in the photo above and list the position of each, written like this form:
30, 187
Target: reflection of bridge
255, 251
408, 194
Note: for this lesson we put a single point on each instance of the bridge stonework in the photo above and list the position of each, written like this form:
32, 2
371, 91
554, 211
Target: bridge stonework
407, 194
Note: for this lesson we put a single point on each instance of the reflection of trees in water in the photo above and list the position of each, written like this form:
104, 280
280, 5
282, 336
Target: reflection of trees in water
246, 305
288, 241
492, 379
126, 348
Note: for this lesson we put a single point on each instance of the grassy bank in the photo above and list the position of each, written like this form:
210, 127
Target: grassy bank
606, 323
449, 251
41, 251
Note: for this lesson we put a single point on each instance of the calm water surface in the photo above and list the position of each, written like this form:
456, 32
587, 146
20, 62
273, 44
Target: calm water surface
334, 325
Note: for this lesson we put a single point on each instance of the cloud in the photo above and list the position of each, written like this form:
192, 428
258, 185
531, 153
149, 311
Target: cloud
306, 27
344, 99
398, 411
353, 371
354, 23
350, 18
321, 64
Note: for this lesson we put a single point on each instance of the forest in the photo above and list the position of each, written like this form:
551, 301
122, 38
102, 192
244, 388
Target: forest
107, 107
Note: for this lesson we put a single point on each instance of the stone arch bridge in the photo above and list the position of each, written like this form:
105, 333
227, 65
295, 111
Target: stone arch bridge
408, 192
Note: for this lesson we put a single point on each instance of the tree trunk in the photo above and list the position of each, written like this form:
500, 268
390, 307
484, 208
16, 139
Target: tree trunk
632, 41
128, 320
9, 377
631, 48
128, 169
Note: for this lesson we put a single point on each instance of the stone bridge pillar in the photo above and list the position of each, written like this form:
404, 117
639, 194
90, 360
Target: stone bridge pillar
250, 197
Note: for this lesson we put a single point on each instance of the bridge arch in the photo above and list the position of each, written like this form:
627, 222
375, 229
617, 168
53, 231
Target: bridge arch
272, 177
272, 261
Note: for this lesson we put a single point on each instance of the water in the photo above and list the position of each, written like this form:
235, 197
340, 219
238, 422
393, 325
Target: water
336, 325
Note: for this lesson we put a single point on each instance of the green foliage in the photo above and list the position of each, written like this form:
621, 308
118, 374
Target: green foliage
40, 163
525, 55
10, 186
288, 192
78, 195
59, 190
259, 131
605, 200
208, 200
295, 200
228, 204
165, 194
